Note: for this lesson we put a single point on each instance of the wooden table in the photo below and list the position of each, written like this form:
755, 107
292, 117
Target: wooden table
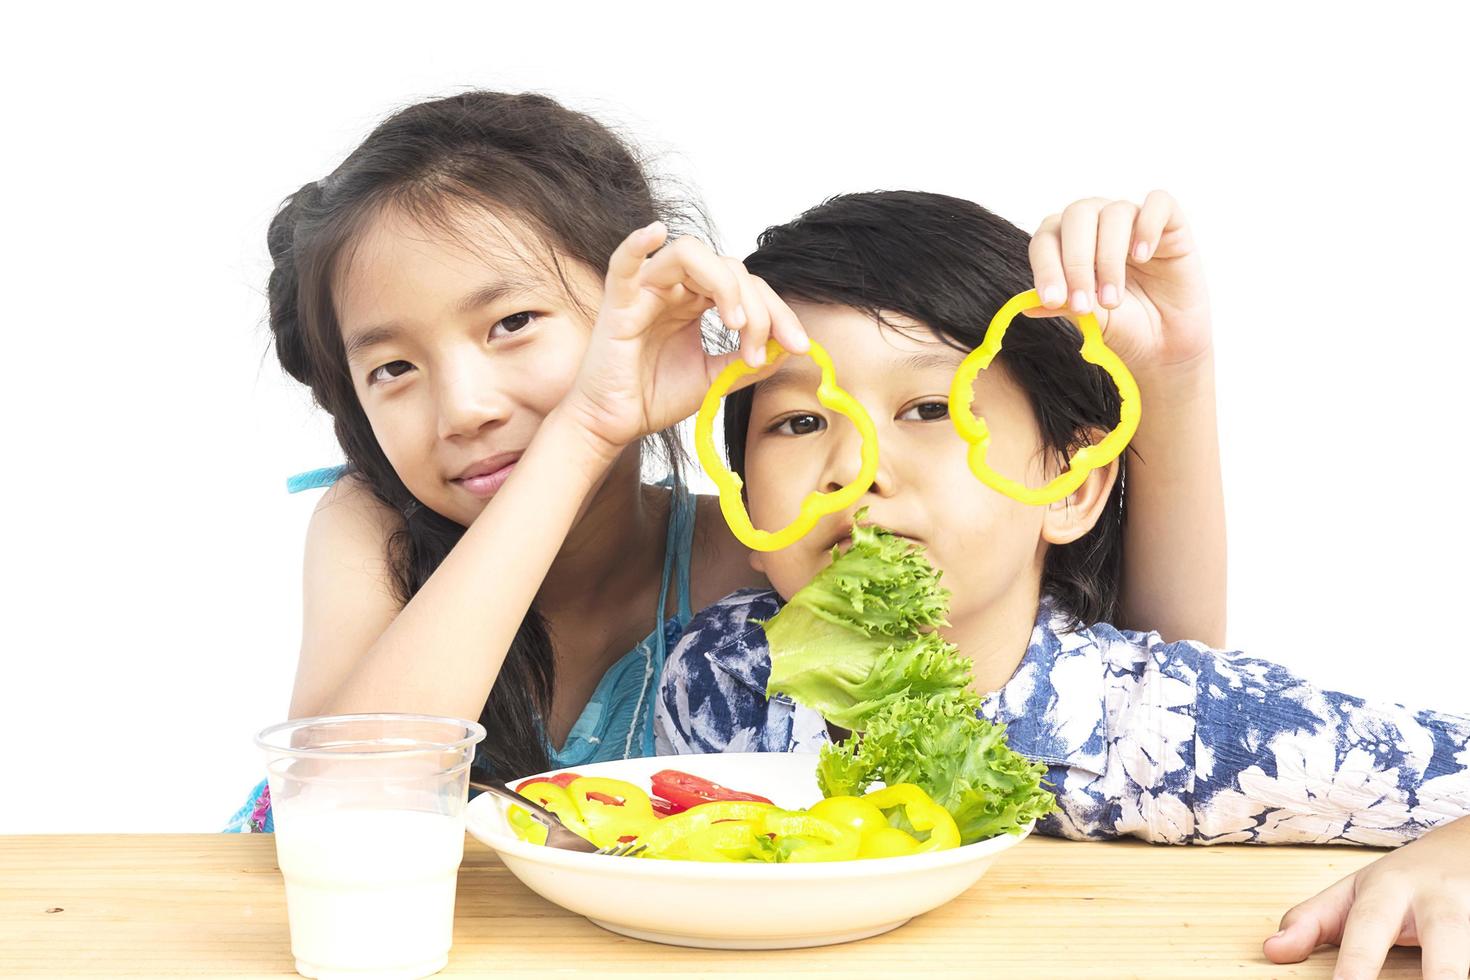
214, 905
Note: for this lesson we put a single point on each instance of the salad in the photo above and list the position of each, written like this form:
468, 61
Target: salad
858, 644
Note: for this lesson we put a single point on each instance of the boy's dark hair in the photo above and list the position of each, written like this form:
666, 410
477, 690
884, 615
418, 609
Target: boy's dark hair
565, 176
950, 264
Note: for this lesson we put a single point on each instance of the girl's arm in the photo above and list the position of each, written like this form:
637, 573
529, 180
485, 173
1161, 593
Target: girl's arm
442, 652
1174, 534
1136, 267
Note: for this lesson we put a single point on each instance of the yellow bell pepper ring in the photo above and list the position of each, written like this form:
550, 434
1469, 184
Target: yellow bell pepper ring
614, 811
922, 812
975, 431
817, 504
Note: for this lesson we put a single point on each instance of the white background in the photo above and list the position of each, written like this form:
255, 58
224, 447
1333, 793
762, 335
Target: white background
151, 555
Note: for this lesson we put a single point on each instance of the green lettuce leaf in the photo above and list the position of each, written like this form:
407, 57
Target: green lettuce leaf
860, 635
961, 760
858, 644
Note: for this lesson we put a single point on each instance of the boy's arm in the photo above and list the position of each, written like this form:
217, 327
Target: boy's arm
1200, 747
712, 696
1278, 760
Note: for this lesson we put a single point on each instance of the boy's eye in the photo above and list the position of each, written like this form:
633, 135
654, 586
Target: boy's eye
389, 371
926, 411
512, 324
800, 425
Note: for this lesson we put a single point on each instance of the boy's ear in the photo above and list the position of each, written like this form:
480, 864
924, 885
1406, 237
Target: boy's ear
1071, 517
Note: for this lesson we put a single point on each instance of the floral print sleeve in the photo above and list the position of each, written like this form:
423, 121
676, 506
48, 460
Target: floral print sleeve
1170, 742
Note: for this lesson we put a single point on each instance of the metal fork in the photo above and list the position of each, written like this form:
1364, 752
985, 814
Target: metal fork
557, 834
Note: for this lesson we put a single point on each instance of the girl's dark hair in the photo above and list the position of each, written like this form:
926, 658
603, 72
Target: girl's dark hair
950, 264
567, 178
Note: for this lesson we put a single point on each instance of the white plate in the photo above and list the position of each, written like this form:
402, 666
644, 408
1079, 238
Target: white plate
736, 906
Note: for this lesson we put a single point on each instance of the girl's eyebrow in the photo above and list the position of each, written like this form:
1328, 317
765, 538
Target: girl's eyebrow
476, 299
361, 340
494, 292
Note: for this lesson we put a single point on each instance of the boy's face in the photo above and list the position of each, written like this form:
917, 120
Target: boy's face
988, 545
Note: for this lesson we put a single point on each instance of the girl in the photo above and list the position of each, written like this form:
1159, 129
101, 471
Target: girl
491, 551
1170, 742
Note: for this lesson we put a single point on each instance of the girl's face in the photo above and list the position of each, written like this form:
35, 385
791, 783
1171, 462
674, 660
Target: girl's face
459, 345
986, 543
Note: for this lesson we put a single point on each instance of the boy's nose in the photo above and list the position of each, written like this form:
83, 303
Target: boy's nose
844, 461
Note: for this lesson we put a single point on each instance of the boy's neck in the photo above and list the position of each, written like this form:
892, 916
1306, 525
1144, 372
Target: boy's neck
995, 638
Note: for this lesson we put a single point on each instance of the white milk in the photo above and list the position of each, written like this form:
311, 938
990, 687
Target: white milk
370, 893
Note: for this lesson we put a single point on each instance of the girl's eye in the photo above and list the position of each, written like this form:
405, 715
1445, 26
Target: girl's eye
800, 425
930, 411
389, 371
512, 324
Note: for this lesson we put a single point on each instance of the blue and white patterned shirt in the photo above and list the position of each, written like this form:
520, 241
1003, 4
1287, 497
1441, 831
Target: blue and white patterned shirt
1171, 742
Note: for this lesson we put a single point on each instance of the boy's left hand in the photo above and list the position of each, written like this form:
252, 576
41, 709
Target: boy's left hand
1418, 895
1137, 269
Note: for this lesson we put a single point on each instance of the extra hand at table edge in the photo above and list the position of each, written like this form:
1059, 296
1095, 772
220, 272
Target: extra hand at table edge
1418, 895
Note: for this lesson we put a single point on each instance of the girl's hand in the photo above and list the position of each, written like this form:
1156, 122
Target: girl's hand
646, 367
1136, 268
1418, 895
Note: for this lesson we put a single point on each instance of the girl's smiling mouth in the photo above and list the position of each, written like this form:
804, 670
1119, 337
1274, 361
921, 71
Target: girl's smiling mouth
484, 478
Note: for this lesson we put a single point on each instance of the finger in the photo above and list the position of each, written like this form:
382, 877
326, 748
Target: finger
1079, 254
694, 265
623, 268
1373, 926
1443, 923
757, 327
1046, 263
785, 324
715, 363
1153, 218
1308, 925
1114, 233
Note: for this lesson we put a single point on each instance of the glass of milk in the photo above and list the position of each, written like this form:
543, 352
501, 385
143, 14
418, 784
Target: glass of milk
369, 817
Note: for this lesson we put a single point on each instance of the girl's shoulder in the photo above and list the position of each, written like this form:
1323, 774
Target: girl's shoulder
349, 507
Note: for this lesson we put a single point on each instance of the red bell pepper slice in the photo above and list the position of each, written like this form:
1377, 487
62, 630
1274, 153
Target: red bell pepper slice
684, 790
562, 779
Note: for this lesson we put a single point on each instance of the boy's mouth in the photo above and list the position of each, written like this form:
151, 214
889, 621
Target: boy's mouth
844, 541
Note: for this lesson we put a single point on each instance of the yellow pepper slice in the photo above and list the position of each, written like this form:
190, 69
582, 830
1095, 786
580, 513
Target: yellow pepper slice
817, 504
612, 823
665, 839
802, 837
526, 827
556, 799
922, 813
977, 433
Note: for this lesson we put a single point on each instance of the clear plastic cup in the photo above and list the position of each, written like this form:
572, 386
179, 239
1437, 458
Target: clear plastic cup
369, 817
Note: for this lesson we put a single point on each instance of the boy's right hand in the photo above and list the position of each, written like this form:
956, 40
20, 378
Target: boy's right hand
645, 367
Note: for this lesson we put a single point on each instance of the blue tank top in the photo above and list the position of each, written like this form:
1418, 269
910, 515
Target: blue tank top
617, 722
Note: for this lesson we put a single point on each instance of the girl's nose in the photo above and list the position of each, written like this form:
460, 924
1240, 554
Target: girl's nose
468, 401
844, 460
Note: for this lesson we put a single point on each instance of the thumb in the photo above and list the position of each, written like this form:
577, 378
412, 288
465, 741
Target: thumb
1320, 919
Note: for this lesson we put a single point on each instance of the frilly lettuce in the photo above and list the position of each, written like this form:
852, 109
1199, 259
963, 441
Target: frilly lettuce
858, 644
